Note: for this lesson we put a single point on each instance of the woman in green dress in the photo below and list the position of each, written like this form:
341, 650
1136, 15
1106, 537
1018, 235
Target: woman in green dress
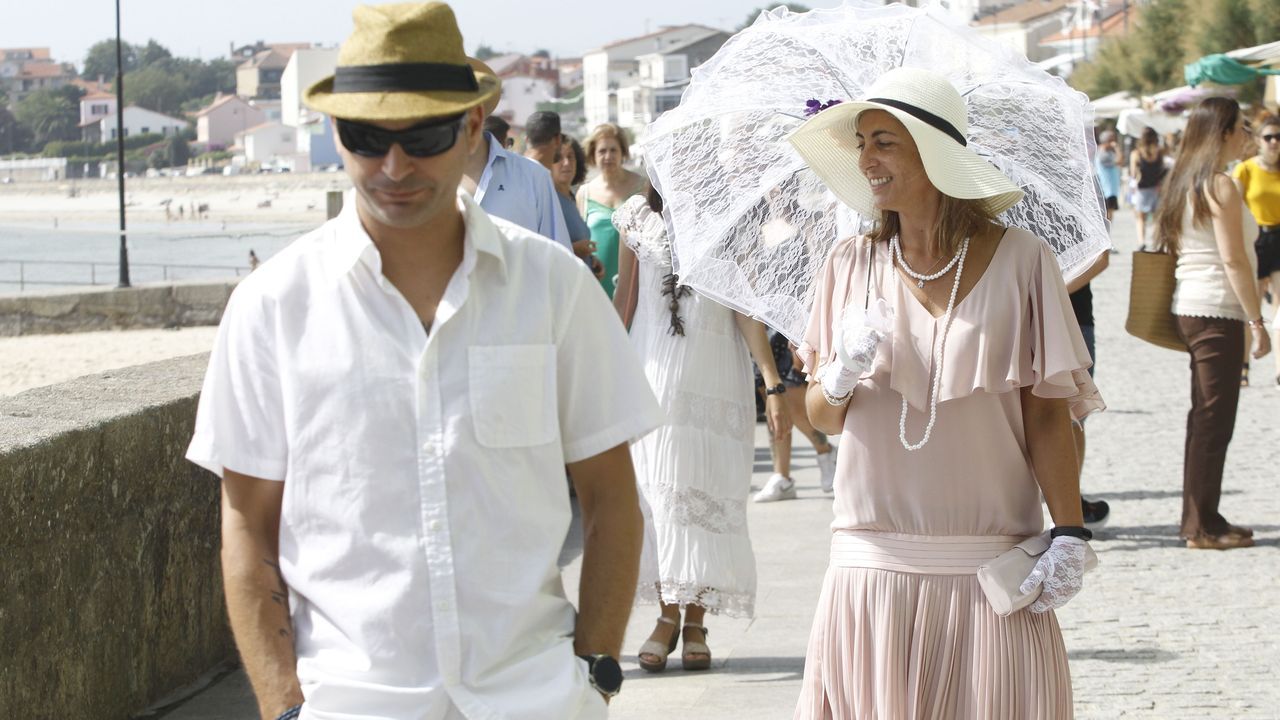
607, 150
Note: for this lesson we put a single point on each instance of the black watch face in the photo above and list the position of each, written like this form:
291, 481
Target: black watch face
607, 674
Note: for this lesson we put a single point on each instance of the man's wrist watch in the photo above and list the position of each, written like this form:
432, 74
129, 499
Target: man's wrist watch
604, 673
779, 389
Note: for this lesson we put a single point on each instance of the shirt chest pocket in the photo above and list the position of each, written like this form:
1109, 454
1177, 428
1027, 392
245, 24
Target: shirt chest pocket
513, 394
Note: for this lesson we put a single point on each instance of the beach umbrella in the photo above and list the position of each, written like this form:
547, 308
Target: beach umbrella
751, 224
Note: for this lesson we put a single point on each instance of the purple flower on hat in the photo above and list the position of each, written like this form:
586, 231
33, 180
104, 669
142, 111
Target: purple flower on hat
815, 106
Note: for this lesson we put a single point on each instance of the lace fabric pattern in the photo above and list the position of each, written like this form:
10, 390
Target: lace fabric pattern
644, 231
733, 604
752, 224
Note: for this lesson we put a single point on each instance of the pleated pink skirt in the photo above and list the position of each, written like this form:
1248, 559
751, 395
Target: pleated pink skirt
904, 633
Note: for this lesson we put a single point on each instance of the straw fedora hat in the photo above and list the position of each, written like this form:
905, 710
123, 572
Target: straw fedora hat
934, 113
402, 62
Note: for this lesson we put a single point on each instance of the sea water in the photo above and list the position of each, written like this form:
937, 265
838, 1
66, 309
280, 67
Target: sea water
38, 259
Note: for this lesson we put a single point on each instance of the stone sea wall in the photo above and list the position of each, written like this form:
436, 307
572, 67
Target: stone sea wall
181, 304
110, 587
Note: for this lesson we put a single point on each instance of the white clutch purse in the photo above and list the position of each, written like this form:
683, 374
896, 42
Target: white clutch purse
1000, 578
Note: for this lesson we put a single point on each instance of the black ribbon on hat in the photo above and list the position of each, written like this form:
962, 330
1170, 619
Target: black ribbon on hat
924, 116
404, 77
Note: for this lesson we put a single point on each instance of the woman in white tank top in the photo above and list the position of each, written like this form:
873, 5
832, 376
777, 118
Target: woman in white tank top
1206, 224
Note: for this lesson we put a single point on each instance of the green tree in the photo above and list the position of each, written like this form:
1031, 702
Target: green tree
484, 52
1266, 21
1158, 55
793, 7
178, 151
1228, 25
101, 60
155, 89
14, 136
153, 53
50, 115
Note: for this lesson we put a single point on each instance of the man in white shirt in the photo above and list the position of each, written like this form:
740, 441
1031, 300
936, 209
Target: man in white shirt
391, 402
511, 186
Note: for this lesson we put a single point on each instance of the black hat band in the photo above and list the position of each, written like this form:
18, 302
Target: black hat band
404, 77
924, 116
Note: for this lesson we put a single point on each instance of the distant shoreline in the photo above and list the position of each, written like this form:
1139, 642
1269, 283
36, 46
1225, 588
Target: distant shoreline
264, 200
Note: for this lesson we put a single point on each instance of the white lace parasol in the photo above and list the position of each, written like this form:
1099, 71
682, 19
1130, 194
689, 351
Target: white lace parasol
752, 225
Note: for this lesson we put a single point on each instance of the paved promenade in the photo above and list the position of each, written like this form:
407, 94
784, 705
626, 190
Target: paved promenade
1159, 632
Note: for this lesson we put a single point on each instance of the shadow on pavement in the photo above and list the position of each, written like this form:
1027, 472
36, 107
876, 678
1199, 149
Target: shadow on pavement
1144, 656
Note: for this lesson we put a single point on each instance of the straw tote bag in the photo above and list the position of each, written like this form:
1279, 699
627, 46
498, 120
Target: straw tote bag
1151, 300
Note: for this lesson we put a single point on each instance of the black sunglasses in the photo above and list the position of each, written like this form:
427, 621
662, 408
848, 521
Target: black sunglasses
423, 140
1271, 137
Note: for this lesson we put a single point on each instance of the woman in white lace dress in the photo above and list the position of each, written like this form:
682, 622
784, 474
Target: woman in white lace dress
694, 472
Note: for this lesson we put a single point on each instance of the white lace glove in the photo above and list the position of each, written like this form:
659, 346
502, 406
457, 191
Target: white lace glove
856, 337
1060, 572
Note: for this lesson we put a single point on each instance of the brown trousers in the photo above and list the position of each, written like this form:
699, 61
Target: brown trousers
1216, 362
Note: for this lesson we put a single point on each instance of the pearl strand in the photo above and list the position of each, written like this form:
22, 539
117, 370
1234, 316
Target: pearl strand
937, 360
920, 278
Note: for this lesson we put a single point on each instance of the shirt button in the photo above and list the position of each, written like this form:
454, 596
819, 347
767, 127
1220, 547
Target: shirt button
434, 524
430, 447
443, 606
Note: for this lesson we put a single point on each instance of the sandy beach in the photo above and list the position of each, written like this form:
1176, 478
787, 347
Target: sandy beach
37, 360
283, 198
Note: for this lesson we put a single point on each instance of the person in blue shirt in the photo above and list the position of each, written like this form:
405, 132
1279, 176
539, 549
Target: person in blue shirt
1106, 164
513, 187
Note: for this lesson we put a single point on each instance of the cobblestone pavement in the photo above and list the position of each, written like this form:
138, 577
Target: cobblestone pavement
1159, 632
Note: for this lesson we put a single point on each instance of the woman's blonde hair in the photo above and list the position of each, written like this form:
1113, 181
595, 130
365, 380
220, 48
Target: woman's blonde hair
957, 219
602, 132
1192, 175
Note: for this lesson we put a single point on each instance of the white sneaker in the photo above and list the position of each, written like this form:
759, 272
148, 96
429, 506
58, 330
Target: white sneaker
827, 466
779, 487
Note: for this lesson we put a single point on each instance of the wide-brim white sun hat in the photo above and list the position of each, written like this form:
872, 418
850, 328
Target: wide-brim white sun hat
934, 113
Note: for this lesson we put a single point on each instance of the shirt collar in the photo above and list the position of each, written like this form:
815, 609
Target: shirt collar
352, 244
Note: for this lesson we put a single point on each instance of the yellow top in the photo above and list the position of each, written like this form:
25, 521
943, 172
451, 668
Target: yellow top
1261, 191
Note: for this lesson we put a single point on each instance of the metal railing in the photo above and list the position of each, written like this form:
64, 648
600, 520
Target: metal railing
108, 277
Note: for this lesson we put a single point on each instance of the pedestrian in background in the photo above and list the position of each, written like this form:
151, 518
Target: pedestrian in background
1259, 179
1147, 168
1106, 165
568, 173
780, 485
608, 150
510, 186
1205, 223
694, 472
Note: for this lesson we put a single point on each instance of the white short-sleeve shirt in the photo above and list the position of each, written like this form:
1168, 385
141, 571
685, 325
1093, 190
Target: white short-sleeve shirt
425, 501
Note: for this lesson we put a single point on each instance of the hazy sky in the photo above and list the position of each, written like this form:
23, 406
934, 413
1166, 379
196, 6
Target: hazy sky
207, 28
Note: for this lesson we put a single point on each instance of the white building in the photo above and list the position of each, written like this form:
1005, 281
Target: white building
137, 121
661, 80
521, 97
272, 143
95, 106
615, 65
1024, 25
314, 143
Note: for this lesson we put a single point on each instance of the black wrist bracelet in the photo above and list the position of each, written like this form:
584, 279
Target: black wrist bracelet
291, 713
1071, 531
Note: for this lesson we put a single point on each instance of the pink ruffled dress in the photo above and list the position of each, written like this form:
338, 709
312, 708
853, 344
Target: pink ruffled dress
902, 629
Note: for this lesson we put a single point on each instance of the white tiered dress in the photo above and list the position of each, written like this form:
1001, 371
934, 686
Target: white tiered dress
693, 472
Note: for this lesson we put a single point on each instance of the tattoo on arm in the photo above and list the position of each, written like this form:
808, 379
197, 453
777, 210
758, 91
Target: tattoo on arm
280, 596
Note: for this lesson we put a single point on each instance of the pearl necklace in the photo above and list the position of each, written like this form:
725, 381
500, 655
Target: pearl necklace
938, 347
920, 278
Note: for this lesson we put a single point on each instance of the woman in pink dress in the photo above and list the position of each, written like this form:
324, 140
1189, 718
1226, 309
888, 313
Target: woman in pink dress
943, 351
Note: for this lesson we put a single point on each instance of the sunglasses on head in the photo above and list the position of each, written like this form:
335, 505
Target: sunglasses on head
1271, 137
423, 140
